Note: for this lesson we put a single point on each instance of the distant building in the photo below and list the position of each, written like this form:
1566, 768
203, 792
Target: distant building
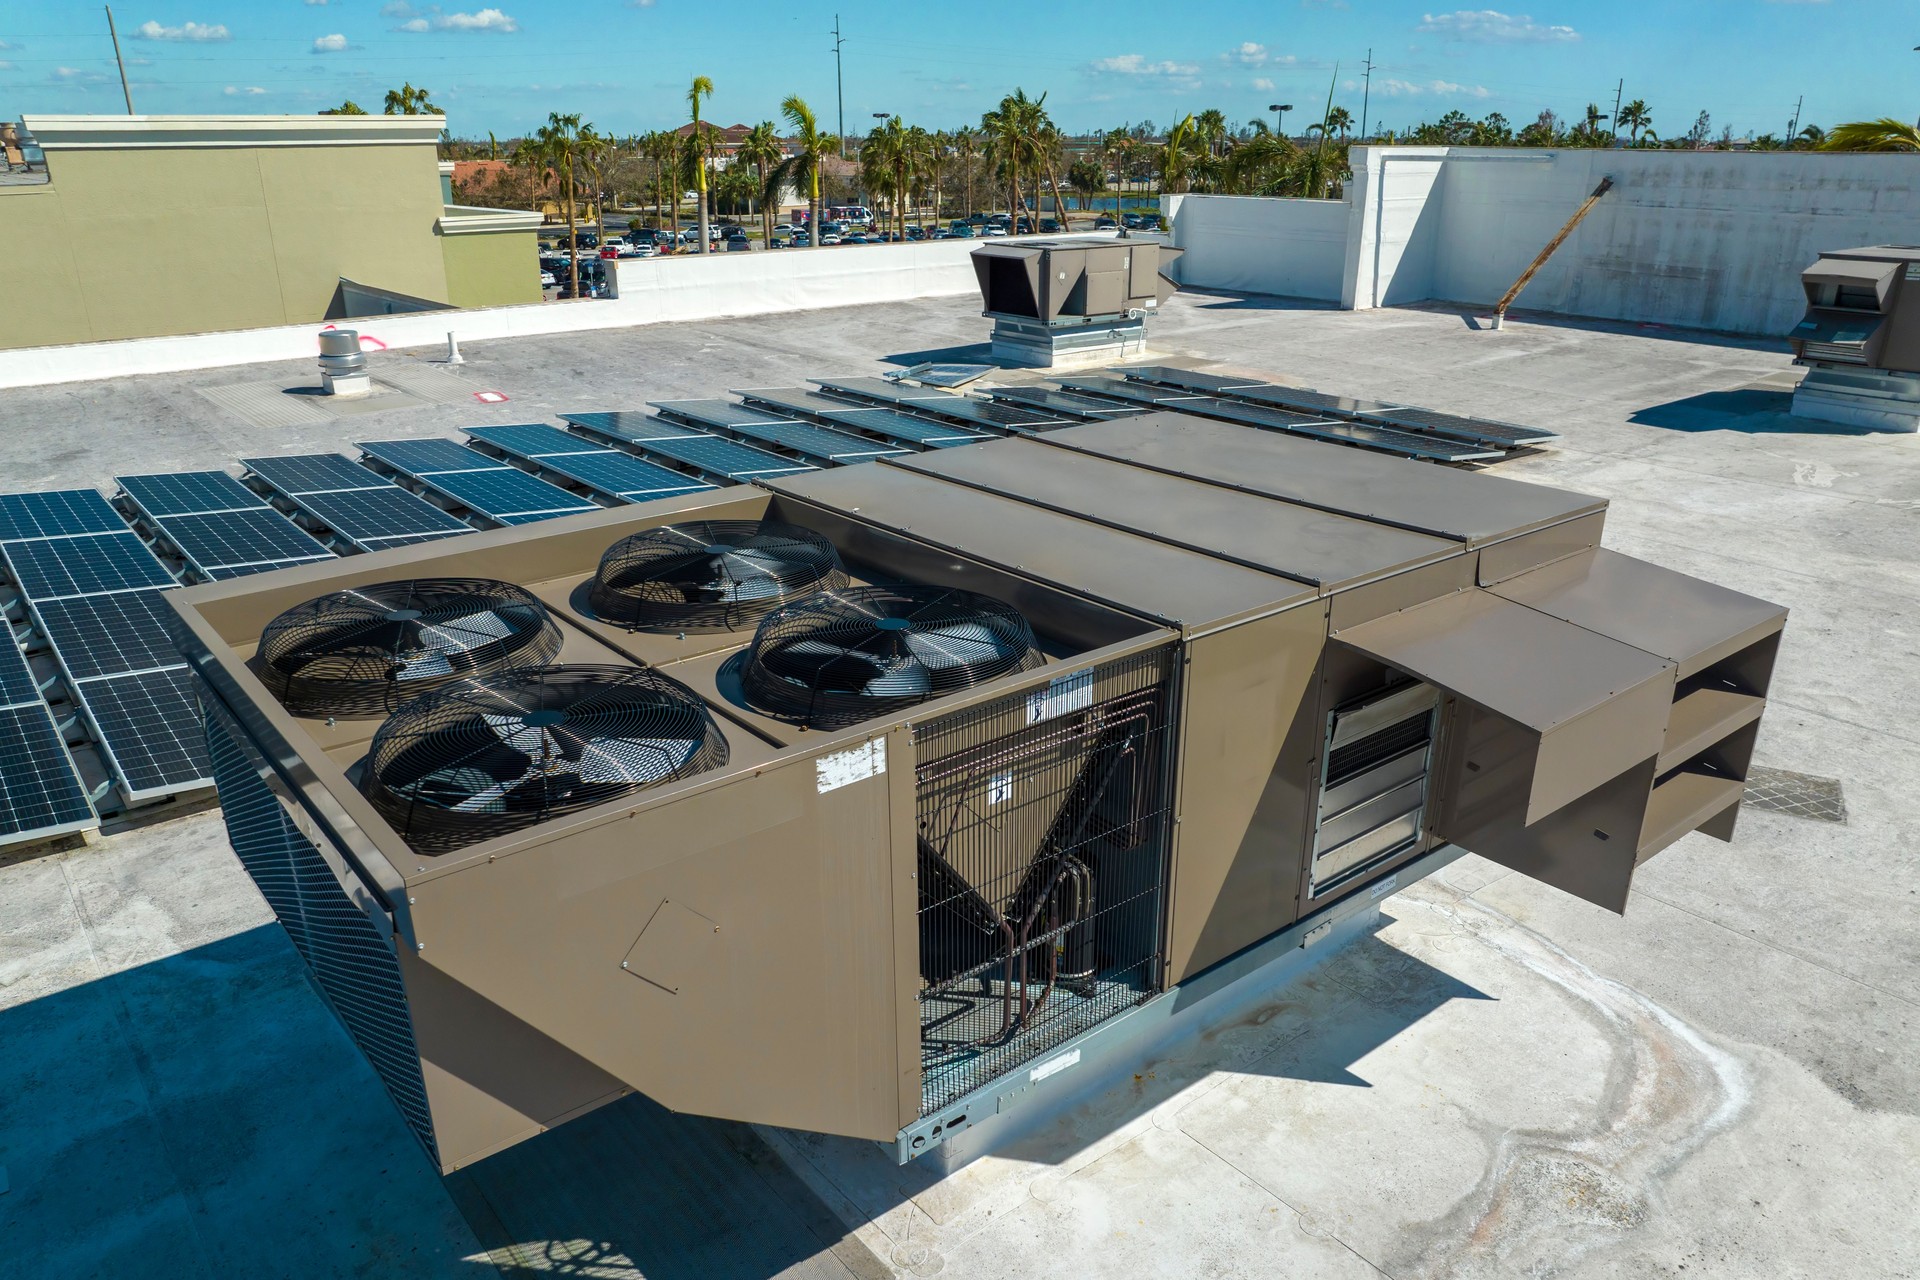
154, 225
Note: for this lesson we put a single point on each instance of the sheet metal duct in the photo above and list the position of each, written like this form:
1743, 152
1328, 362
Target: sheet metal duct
1273, 673
1073, 279
1863, 309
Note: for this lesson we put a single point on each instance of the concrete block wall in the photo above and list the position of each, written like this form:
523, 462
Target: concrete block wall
1706, 240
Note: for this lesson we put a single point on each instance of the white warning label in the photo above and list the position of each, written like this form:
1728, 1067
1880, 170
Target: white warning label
852, 765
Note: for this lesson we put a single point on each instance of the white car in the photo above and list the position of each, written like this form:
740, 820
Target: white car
829, 238
643, 249
784, 228
547, 280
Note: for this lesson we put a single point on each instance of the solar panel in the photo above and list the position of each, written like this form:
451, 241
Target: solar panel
303, 473
49, 568
61, 513
430, 457
189, 493
786, 401
822, 444
506, 492
986, 413
1468, 430
148, 725
1131, 392
531, 517
372, 515
883, 390
632, 424
17, 684
621, 475
111, 634
896, 425
531, 440
40, 793
226, 539
1365, 435
1066, 403
1189, 379
230, 571
724, 458
1311, 401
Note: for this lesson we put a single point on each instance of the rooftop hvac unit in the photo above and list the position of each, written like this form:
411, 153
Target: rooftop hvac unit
1860, 338
857, 802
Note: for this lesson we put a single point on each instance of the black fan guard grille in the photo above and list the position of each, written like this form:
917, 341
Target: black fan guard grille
366, 650
711, 575
840, 657
484, 758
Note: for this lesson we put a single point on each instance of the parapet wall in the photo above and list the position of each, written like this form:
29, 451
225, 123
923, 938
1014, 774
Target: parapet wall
1705, 240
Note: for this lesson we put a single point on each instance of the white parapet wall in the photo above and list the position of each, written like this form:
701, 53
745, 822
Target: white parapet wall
651, 291
1693, 239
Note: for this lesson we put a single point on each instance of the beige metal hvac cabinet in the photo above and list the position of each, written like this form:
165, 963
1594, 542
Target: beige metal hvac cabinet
1270, 673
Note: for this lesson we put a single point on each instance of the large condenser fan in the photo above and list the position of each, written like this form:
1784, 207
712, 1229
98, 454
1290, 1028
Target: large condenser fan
840, 657
364, 651
711, 574
486, 757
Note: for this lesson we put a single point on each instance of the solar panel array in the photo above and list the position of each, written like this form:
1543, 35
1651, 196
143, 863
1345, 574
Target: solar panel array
1065, 404
485, 486
94, 591
1460, 428
365, 510
608, 472
708, 456
894, 423
811, 441
221, 528
994, 415
40, 790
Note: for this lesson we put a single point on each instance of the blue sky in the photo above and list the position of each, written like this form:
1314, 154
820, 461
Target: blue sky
501, 65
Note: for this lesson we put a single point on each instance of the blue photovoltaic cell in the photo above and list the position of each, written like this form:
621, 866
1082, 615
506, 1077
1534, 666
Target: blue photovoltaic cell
111, 634
1190, 379
711, 413
427, 457
370, 515
885, 390
49, 568
725, 458
17, 684
505, 492
630, 424
302, 473
623, 476
1066, 403
532, 440
149, 725
791, 402
228, 538
189, 492
896, 425
61, 513
822, 444
988, 413
40, 794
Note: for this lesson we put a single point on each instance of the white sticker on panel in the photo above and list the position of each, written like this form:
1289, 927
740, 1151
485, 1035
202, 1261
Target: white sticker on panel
1054, 1066
1073, 692
852, 765
999, 788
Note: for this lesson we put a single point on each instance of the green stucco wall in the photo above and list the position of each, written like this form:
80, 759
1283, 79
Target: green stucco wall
492, 268
140, 242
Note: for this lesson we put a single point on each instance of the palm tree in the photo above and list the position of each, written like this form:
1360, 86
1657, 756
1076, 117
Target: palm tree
761, 149
1177, 155
802, 168
1087, 179
883, 164
966, 149
1633, 118
561, 144
1884, 134
1260, 165
1811, 138
409, 101
1340, 118
1591, 121
701, 88
1016, 132
1211, 125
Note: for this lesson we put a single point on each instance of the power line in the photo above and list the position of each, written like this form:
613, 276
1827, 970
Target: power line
839, 86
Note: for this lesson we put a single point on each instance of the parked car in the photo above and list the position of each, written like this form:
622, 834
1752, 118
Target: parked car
737, 244
801, 240
733, 233
1104, 223
1153, 222
1024, 227
827, 237
1050, 225
860, 237
1130, 220
645, 249
960, 229
916, 233
992, 230
547, 279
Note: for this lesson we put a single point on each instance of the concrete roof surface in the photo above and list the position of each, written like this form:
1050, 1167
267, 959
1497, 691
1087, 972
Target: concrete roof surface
1501, 1080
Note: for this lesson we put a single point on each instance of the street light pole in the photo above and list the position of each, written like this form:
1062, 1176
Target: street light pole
1280, 110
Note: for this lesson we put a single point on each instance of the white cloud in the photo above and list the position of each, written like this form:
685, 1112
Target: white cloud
196, 32
1490, 26
243, 91
396, 9
76, 75
1136, 64
1438, 88
639, 4
1263, 84
1248, 54
5, 65
316, 2
335, 43
435, 20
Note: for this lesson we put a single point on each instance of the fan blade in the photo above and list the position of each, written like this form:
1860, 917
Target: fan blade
955, 644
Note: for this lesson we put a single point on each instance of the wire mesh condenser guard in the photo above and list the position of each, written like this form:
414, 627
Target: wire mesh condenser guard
1044, 822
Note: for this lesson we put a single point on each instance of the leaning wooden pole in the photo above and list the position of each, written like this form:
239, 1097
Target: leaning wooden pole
1506, 299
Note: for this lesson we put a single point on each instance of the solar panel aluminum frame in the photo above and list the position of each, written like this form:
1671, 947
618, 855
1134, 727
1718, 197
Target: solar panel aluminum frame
344, 478
43, 765
658, 451
184, 539
447, 485
323, 507
577, 468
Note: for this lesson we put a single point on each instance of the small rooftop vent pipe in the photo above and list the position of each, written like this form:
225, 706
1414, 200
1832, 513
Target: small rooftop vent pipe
343, 366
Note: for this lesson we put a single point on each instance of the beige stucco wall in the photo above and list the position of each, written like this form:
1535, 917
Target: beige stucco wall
139, 242
491, 268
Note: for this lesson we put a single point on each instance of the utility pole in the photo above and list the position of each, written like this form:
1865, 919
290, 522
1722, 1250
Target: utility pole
1622, 84
1366, 93
1793, 125
115, 35
839, 86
